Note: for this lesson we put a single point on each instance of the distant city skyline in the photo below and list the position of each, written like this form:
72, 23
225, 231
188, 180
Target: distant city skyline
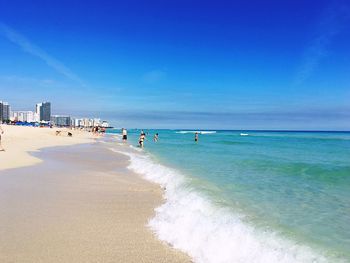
42, 116
183, 64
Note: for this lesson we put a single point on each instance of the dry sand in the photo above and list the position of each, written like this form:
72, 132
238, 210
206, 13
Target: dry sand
80, 204
18, 141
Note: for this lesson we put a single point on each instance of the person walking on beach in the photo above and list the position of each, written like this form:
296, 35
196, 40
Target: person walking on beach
125, 134
196, 137
142, 139
95, 131
155, 138
1, 132
102, 131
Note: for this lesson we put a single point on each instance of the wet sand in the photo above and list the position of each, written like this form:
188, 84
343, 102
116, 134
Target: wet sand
80, 204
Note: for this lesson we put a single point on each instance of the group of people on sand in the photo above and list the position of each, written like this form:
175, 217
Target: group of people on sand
142, 137
98, 130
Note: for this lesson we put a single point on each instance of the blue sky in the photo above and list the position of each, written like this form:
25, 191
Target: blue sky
181, 64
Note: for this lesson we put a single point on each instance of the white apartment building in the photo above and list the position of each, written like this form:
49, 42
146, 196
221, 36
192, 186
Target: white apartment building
104, 124
85, 122
24, 116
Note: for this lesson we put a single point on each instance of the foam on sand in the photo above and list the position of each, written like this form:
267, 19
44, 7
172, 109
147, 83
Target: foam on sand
190, 222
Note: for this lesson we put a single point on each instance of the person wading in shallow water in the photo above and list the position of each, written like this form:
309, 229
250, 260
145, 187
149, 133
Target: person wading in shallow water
142, 139
1, 133
155, 138
125, 134
196, 137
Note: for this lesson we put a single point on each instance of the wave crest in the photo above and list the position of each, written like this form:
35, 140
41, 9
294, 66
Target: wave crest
190, 222
200, 132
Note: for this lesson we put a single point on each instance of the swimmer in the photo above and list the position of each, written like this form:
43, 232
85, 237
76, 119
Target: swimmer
196, 137
156, 137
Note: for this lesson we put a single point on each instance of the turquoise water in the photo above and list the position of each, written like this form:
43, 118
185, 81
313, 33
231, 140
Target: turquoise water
293, 184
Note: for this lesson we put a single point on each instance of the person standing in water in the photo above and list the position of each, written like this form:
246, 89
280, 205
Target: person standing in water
125, 134
155, 138
1, 132
196, 137
142, 139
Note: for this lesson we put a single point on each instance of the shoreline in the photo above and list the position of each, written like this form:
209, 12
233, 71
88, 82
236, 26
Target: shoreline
194, 222
77, 203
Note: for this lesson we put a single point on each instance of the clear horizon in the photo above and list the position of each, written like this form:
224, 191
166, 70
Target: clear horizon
224, 65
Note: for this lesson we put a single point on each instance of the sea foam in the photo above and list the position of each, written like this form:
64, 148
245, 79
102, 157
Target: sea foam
188, 221
200, 132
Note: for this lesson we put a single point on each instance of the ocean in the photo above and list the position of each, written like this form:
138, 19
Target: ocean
249, 196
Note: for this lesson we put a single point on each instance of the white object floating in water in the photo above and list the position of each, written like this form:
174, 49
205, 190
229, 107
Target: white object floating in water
244, 134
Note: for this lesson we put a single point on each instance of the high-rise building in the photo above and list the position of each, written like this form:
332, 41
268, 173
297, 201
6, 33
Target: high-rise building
61, 120
4, 111
24, 116
37, 111
43, 110
76, 122
36, 117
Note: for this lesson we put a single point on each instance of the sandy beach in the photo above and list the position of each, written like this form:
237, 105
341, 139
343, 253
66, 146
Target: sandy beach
18, 141
74, 203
